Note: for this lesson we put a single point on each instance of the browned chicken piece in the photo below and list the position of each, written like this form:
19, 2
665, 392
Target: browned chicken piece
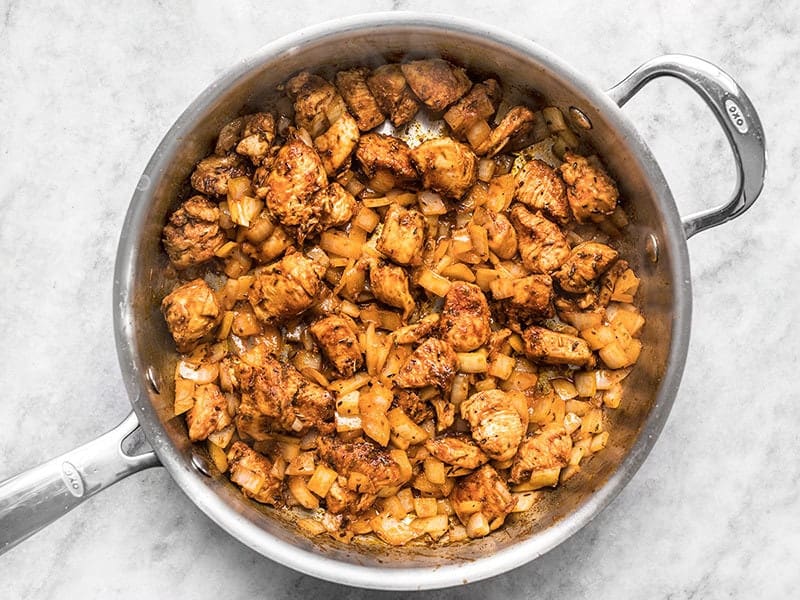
547, 449
314, 100
542, 245
592, 194
586, 262
211, 175
254, 132
389, 284
402, 235
251, 470
416, 331
251, 423
466, 320
192, 312
192, 234
281, 393
337, 144
433, 363
352, 85
436, 82
258, 134
445, 413
391, 92
337, 337
377, 152
380, 469
479, 104
417, 409
447, 166
540, 187
609, 280
339, 499
209, 413
285, 288
457, 449
487, 487
501, 234
498, 420
296, 174
516, 121
532, 299
336, 205
553, 348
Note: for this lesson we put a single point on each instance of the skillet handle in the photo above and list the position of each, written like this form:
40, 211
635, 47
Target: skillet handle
37, 497
735, 113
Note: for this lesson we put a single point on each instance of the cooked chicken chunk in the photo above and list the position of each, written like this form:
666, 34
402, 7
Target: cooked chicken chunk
352, 85
592, 194
548, 449
281, 393
498, 420
378, 152
192, 234
337, 144
586, 262
192, 312
212, 174
251, 135
542, 245
501, 234
391, 92
479, 104
540, 187
285, 288
458, 450
533, 298
417, 409
436, 82
466, 320
402, 235
337, 337
433, 363
390, 285
369, 459
336, 205
251, 423
257, 137
209, 413
296, 174
609, 281
516, 121
416, 331
484, 486
445, 413
251, 470
447, 166
314, 100
553, 348
339, 499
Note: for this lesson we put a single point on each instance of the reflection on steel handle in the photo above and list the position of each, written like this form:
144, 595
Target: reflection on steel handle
33, 499
735, 113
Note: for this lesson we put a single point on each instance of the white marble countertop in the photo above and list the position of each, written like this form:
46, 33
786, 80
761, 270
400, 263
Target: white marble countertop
86, 93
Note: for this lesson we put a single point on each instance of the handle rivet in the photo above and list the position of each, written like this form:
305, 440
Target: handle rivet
152, 379
579, 118
200, 463
651, 247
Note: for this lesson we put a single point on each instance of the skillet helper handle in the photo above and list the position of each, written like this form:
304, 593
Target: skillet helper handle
37, 497
735, 113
